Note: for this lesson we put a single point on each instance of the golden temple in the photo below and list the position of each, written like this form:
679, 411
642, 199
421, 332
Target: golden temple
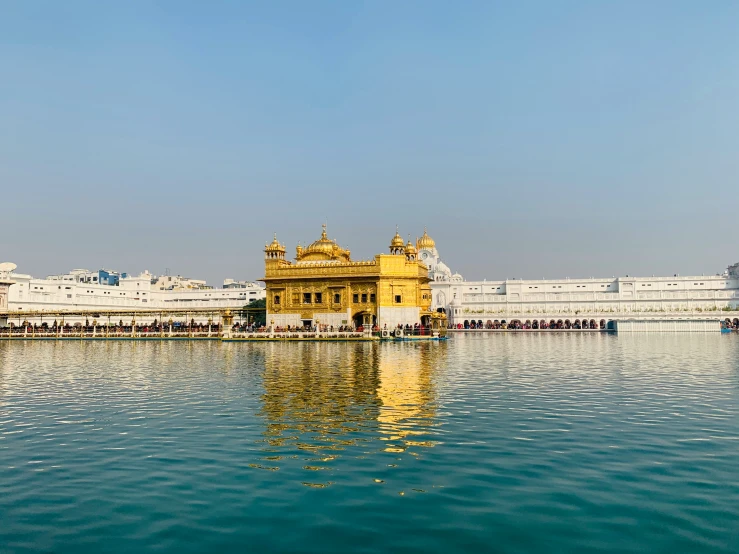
325, 287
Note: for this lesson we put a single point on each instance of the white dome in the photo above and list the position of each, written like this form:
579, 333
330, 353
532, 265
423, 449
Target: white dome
441, 267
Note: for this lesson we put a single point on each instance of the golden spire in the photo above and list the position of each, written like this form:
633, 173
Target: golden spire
397, 241
275, 246
409, 248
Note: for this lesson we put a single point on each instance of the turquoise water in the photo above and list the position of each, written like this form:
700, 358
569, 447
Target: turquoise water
506, 443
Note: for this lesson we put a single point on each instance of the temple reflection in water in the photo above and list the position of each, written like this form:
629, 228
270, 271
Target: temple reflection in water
325, 399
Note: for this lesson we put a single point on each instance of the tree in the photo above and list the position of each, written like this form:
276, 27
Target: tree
255, 312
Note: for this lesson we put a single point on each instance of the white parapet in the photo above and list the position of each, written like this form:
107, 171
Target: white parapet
668, 325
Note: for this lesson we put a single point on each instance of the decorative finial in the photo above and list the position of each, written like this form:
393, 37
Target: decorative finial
323, 234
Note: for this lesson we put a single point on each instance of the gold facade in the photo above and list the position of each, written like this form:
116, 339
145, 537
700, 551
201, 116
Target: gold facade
325, 286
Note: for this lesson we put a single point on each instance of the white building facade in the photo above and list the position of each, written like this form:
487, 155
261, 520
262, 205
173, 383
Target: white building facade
77, 291
466, 301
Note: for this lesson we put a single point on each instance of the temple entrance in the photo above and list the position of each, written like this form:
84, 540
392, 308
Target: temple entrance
307, 323
361, 319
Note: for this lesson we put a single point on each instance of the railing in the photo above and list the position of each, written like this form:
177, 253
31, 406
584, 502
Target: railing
293, 335
110, 332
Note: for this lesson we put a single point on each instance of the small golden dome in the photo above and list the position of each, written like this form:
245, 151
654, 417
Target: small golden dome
275, 246
425, 242
397, 241
409, 248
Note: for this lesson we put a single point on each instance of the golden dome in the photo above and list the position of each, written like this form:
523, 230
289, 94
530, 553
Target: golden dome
425, 242
323, 249
397, 241
409, 248
275, 246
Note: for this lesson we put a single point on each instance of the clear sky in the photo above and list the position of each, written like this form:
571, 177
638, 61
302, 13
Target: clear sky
533, 139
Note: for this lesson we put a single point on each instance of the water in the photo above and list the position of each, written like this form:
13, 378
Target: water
506, 443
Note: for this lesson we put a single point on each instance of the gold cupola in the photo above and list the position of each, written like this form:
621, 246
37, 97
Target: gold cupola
397, 246
323, 250
425, 242
275, 250
410, 251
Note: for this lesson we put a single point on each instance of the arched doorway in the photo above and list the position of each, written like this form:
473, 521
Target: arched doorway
360, 318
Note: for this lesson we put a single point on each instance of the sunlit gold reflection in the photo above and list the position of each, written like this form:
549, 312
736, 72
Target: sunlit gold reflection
406, 394
321, 400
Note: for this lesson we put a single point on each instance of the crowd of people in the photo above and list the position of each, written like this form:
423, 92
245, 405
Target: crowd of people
732, 324
531, 324
408, 329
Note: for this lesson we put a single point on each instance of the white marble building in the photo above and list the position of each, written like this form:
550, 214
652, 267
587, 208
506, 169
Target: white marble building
542, 299
77, 291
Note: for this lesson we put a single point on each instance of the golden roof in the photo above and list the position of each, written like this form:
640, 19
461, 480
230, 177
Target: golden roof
409, 248
397, 241
324, 249
275, 246
425, 242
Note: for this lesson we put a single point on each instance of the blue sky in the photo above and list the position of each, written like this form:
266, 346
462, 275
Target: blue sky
533, 139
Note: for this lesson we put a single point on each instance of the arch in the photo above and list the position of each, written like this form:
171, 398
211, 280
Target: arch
358, 319
466, 323
602, 323
441, 299
568, 325
593, 325
535, 324
736, 322
560, 324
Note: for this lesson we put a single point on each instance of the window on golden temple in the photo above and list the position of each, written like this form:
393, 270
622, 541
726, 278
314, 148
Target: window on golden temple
319, 298
337, 298
364, 298
306, 298
398, 299
355, 299
277, 299
372, 297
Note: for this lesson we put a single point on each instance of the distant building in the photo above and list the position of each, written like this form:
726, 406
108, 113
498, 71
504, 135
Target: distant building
466, 301
231, 284
81, 289
178, 282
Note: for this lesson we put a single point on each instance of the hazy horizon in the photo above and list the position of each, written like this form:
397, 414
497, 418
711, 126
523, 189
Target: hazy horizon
532, 139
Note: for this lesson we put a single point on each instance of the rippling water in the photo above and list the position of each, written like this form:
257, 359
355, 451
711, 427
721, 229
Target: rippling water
505, 443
